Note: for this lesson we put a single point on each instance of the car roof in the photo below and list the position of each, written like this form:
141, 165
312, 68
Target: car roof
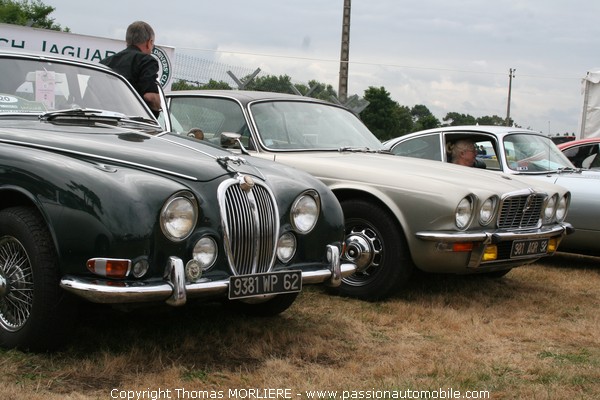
247, 96
499, 131
578, 142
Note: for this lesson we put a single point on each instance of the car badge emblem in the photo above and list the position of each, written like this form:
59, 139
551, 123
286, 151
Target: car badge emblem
528, 203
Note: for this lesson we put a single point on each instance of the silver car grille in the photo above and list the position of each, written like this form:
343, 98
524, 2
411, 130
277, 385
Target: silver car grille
250, 220
521, 211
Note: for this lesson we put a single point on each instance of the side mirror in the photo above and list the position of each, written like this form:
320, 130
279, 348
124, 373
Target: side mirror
229, 139
232, 140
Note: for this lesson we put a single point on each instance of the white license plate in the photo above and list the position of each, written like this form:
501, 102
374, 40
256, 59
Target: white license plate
526, 248
243, 286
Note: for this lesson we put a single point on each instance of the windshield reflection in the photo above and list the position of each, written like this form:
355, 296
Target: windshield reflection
36, 86
531, 153
309, 126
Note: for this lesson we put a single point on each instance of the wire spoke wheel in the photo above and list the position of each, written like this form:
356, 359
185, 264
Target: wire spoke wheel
16, 284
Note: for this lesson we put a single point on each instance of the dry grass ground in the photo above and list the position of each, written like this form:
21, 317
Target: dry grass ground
533, 334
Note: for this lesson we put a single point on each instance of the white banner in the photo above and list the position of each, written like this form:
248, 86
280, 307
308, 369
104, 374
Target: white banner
89, 48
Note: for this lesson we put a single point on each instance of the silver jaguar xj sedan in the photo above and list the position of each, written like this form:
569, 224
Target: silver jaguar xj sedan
400, 213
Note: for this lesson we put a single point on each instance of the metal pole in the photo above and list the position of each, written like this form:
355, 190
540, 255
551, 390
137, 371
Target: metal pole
345, 53
511, 75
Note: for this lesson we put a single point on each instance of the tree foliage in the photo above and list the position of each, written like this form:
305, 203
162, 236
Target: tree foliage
182, 84
269, 83
423, 118
383, 116
28, 13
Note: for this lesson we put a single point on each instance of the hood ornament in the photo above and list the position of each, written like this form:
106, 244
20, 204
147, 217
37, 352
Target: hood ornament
246, 182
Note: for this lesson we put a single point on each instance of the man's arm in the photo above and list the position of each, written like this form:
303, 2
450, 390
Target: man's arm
153, 101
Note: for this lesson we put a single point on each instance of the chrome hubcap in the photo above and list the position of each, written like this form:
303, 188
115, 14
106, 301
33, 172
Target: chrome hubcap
362, 249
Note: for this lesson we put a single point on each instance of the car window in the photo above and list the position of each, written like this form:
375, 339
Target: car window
427, 147
212, 115
486, 152
307, 125
37, 86
584, 156
533, 153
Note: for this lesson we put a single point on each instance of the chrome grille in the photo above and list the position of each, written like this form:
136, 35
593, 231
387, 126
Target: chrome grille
251, 225
521, 211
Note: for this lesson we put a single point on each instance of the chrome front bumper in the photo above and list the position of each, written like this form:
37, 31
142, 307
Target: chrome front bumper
175, 291
483, 237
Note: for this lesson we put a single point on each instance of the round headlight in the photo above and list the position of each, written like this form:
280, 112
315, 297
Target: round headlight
561, 208
286, 247
463, 213
550, 208
178, 216
488, 209
305, 212
205, 252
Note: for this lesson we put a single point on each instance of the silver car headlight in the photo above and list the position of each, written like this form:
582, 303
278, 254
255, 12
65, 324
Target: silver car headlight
562, 207
178, 216
463, 212
305, 211
488, 210
550, 208
286, 247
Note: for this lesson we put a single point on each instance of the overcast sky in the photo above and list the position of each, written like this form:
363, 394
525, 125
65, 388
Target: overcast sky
451, 56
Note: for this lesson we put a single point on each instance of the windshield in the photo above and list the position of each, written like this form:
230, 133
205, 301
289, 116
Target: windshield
533, 153
38, 86
306, 126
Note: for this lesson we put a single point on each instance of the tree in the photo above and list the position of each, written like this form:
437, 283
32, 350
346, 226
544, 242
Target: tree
28, 13
183, 84
318, 90
493, 120
384, 117
270, 83
454, 119
423, 118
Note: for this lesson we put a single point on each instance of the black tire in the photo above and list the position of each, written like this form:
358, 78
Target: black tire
34, 310
387, 265
268, 308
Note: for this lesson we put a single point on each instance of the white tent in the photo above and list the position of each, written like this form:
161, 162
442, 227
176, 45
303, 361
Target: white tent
589, 125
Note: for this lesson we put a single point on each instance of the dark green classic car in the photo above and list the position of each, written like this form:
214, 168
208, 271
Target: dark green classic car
97, 202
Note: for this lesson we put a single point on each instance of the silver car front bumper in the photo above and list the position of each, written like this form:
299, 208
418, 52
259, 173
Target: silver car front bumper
175, 291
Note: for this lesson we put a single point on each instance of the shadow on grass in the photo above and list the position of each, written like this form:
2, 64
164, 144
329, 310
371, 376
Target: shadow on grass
574, 261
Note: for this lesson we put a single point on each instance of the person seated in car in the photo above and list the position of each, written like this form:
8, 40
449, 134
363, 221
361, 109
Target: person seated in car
464, 152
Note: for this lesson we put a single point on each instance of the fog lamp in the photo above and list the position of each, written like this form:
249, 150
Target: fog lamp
140, 267
286, 247
552, 245
490, 253
205, 252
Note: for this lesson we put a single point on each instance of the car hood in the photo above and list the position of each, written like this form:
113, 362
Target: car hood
386, 169
116, 145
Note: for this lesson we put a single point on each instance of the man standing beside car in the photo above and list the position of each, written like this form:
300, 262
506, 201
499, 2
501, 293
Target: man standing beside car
137, 64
